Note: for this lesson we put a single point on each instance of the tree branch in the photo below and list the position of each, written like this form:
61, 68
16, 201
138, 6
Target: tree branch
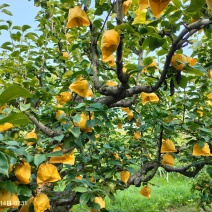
140, 62
94, 62
159, 145
103, 26
117, 93
123, 78
125, 102
148, 89
64, 202
140, 176
43, 128
186, 170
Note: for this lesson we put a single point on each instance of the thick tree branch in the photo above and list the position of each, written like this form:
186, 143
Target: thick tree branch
192, 27
190, 171
103, 26
125, 102
113, 92
108, 100
42, 127
140, 176
94, 62
123, 78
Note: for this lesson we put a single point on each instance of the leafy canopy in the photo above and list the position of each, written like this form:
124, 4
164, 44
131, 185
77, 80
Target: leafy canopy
100, 96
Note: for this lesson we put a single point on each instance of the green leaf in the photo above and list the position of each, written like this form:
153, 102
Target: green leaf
31, 36
31, 206
125, 26
148, 61
196, 70
7, 152
59, 138
29, 157
17, 118
183, 82
12, 143
209, 171
101, 8
201, 143
101, 2
91, 136
24, 107
205, 130
195, 5
208, 31
5, 27
161, 52
16, 27
10, 186
19, 151
152, 43
109, 173
168, 128
16, 36
1, 137
12, 92
54, 154
4, 5
7, 45
140, 17
94, 205
24, 191
25, 27
75, 131
79, 189
130, 67
80, 140
7, 12
177, 3
31, 140
98, 23
4, 165
96, 107
9, 23
84, 198
79, 105
93, 122
76, 118
77, 73
38, 159
175, 82
15, 54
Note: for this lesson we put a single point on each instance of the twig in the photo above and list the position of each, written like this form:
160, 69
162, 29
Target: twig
103, 26
159, 145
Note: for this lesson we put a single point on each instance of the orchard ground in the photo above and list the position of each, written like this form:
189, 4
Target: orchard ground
170, 192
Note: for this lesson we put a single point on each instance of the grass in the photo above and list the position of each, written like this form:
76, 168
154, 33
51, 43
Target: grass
165, 196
